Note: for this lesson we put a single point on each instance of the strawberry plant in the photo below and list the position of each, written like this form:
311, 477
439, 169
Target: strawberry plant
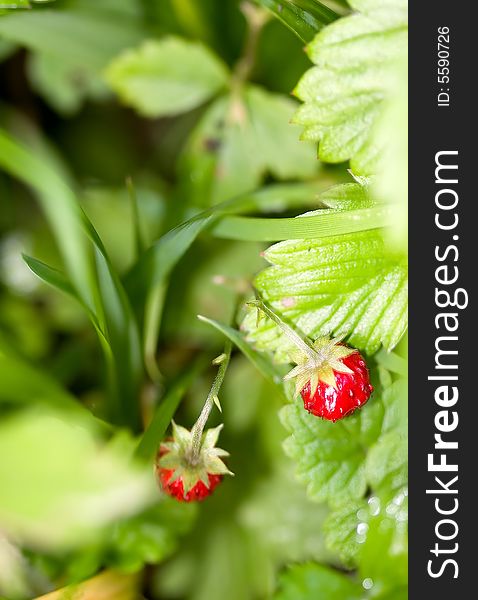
164, 201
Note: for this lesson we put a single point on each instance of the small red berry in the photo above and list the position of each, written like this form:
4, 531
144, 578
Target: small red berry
351, 391
332, 378
176, 488
186, 472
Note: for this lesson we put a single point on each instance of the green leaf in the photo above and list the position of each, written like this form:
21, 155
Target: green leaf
75, 483
62, 210
79, 37
282, 518
344, 533
69, 48
167, 77
387, 461
18, 4
330, 457
23, 383
50, 276
391, 134
303, 17
317, 224
258, 360
384, 556
164, 412
155, 265
343, 93
347, 285
386, 473
65, 86
392, 362
239, 140
151, 536
313, 581
95, 283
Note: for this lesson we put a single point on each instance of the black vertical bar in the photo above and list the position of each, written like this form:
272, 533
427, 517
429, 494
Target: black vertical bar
443, 123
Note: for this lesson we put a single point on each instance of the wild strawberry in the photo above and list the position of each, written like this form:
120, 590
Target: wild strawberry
337, 396
190, 474
188, 465
332, 378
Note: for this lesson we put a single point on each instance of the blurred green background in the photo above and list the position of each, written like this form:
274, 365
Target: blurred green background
55, 100
152, 112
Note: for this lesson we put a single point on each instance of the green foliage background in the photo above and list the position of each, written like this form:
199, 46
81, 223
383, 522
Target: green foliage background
150, 153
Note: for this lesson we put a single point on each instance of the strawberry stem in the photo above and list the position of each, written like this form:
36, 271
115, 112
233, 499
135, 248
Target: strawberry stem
292, 335
198, 427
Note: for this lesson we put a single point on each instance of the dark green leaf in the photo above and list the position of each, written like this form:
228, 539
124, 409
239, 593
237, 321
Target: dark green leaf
164, 413
304, 17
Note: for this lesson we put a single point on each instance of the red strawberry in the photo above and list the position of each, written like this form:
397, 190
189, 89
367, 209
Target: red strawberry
176, 488
351, 391
188, 474
332, 378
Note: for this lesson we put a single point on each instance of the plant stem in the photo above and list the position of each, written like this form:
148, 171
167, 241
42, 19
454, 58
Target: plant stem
289, 332
256, 18
198, 427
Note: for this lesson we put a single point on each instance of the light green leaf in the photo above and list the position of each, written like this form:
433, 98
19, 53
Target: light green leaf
239, 140
384, 556
343, 532
391, 134
316, 224
330, 457
69, 48
346, 285
283, 518
61, 484
344, 91
386, 474
64, 86
314, 582
166, 77
151, 536
80, 37
387, 461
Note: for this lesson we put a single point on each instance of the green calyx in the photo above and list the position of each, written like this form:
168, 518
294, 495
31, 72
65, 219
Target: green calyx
319, 362
192, 464
316, 361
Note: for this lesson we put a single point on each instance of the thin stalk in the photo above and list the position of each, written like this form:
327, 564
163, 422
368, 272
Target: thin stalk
139, 243
211, 399
289, 332
256, 18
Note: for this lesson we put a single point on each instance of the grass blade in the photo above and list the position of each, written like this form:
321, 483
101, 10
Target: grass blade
62, 211
260, 361
50, 276
164, 413
305, 18
326, 223
155, 265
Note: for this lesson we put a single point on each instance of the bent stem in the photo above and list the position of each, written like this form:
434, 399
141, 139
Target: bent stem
289, 332
212, 398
